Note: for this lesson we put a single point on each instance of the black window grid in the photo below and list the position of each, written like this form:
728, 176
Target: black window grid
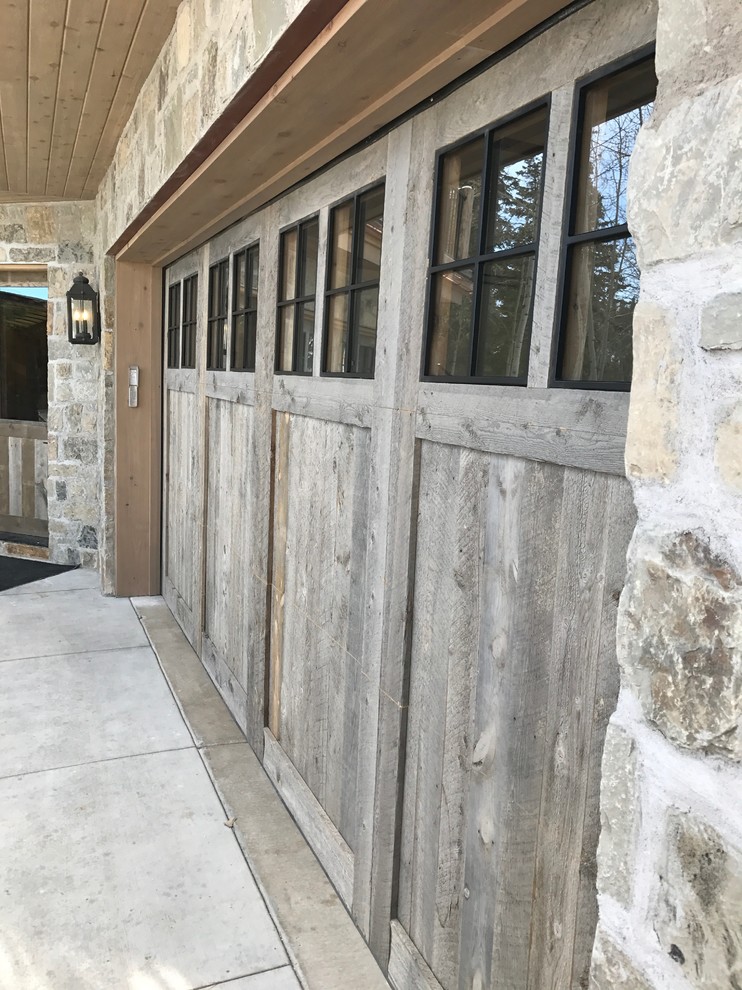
478, 261
216, 353
173, 326
296, 301
246, 360
598, 235
189, 309
354, 288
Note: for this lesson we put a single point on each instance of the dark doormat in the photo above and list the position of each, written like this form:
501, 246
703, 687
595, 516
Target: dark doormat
15, 571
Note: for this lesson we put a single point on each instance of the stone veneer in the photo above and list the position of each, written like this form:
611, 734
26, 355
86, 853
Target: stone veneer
62, 236
670, 857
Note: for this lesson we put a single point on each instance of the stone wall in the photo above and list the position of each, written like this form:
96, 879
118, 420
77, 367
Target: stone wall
62, 236
670, 858
214, 47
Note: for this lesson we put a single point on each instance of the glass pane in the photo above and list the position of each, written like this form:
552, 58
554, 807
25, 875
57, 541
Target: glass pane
614, 110
238, 342
240, 279
288, 264
457, 233
213, 292
253, 269
603, 290
516, 159
342, 245
337, 332
173, 317
309, 244
23, 367
365, 319
286, 338
371, 220
223, 289
450, 341
252, 327
305, 329
505, 318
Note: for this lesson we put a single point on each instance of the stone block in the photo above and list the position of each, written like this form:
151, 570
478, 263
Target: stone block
612, 969
82, 449
619, 816
728, 452
88, 538
721, 323
40, 224
680, 642
12, 233
698, 915
653, 411
75, 253
685, 184
32, 255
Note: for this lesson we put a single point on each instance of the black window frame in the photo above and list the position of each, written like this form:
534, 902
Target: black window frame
189, 322
353, 288
172, 329
247, 311
218, 267
478, 261
568, 239
296, 301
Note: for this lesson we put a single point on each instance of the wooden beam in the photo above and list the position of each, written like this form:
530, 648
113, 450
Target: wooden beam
138, 430
388, 64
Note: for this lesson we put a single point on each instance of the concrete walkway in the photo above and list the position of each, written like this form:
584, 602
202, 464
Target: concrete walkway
116, 867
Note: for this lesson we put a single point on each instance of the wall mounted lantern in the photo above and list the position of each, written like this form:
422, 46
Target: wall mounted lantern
83, 321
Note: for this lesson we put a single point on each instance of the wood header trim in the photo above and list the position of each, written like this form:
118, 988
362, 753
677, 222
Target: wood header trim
301, 31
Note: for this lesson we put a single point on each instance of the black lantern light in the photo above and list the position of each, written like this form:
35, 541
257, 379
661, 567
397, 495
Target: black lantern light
83, 324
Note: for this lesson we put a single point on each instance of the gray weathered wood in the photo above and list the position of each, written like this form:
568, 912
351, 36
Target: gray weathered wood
319, 564
407, 968
560, 426
328, 844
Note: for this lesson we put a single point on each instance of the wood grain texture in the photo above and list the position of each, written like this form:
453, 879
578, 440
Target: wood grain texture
23, 474
229, 566
322, 614
407, 968
181, 483
513, 632
328, 844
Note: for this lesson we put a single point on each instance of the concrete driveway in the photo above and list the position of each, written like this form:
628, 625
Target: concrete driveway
116, 867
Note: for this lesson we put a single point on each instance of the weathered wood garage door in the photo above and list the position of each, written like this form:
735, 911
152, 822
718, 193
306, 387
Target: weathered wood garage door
407, 590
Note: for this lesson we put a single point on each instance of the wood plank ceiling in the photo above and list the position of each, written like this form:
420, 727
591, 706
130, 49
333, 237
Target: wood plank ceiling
70, 72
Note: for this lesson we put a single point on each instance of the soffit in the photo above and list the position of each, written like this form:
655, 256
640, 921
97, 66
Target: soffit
375, 60
70, 74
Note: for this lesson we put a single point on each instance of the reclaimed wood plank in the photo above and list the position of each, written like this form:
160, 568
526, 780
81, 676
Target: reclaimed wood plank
620, 520
4, 474
509, 723
573, 654
407, 968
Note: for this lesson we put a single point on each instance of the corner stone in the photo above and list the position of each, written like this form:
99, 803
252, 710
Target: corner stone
721, 323
611, 968
680, 642
698, 916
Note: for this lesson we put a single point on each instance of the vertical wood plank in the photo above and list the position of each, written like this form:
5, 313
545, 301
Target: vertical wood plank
509, 723
620, 520
278, 579
4, 474
28, 478
15, 476
41, 472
